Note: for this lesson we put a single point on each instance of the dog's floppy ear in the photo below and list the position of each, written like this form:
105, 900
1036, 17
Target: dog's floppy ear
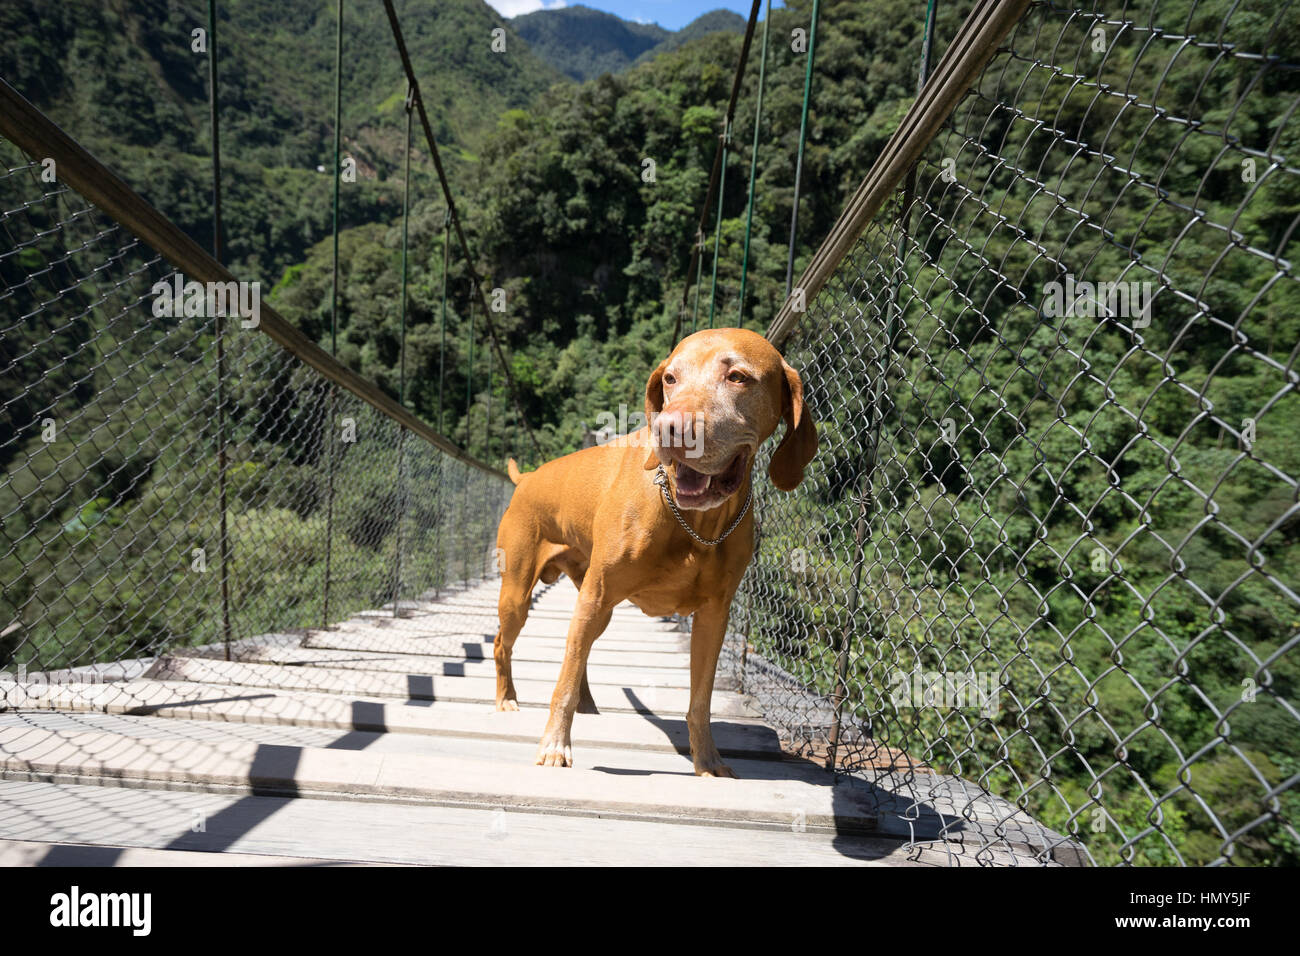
799, 443
654, 404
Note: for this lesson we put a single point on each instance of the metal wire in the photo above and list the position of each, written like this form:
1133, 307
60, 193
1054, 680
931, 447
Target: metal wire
1044, 567
109, 516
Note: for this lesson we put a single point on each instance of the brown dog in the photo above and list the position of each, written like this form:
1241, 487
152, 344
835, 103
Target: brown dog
599, 516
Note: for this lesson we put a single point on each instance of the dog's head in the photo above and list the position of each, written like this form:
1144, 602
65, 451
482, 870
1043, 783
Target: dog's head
712, 402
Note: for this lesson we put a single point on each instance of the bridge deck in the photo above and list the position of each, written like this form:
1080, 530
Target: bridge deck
377, 741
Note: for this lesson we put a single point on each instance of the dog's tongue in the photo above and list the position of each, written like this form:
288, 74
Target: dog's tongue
690, 481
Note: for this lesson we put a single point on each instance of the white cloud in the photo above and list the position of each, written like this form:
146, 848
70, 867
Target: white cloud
517, 8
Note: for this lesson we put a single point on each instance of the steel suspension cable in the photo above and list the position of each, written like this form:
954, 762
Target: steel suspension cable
469, 384
803, 134
334, 318
218, 253
697, 249
753, 163
455, 217
717, 226
338, 175
442, 350
864, 530
406, 233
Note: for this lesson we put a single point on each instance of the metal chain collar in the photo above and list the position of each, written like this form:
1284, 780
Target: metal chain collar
661, 479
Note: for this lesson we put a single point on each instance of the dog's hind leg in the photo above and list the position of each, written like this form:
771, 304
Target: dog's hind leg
518, 578
512, 612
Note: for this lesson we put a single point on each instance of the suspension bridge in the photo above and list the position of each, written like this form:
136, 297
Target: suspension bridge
1035, 604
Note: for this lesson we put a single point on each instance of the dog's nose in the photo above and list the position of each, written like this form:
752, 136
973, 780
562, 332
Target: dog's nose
676, 429
669, 429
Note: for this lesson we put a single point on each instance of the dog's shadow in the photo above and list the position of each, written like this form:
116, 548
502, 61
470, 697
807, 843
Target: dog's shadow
754, 752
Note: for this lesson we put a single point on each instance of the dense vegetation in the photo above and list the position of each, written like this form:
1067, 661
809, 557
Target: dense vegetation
1102, 532
592, 259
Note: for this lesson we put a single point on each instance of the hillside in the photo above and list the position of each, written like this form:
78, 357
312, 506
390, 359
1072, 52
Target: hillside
583, 43
122, 78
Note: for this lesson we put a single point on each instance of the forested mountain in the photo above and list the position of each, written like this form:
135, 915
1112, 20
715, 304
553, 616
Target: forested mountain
123, 79
583, 43
593, 258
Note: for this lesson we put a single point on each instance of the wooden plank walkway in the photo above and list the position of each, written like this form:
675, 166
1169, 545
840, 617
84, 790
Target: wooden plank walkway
377, 741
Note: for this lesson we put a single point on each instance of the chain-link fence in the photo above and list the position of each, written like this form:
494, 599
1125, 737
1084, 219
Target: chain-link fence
1049, 545
173, 479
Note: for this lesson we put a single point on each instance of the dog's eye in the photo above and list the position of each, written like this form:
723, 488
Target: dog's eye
737, 376
669, 378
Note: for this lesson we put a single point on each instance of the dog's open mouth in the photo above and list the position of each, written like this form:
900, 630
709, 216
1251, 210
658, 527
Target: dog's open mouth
694, 487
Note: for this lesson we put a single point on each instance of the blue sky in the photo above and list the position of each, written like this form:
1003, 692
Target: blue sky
671, 14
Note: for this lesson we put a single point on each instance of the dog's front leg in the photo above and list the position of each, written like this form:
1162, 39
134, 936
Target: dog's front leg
590, 618
708, 628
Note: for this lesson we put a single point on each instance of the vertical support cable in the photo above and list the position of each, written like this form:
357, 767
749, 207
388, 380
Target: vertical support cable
464, 526
753, 166
406, 216
401, 513
697, 249
866, 503
469, 396
218, 320
442, 381
803, 133
401, 375
469, 384
699, 275
334, 313
338, 173
717, 227
487, 429
442, 349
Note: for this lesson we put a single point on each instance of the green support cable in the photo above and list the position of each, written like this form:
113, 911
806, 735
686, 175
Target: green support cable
803, 133
753, 167
442, 350
699, 275
469, 385
338, 173
401, 375
717, 228
218, 252
863, 530
406, 215
330, 437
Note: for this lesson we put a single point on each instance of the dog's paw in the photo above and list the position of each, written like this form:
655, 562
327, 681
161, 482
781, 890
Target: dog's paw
554, 755
713, 768
507, 704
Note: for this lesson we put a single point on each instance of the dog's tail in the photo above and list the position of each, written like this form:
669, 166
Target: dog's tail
512, 469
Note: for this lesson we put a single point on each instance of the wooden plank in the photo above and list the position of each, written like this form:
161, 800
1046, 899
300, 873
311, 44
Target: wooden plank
36, 853
508, 752
454, 647
216, 702
422, 835
554, 639
639, 698
252, 652
928, 814
843, 804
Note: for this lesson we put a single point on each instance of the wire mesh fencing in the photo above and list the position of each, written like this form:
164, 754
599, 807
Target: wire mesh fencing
1049, 545
172, 479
